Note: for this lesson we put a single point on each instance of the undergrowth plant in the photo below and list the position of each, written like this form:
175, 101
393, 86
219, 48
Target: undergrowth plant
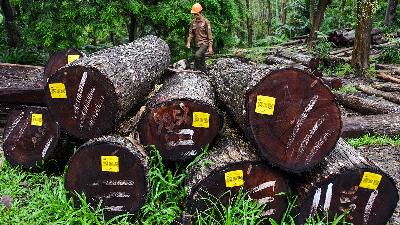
379, 140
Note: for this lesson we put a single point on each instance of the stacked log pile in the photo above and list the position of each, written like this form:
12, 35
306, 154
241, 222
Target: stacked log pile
345, 37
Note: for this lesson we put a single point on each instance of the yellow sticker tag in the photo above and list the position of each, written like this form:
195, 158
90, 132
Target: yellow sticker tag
370, 180
57, 90
72, 58
110, 164
265, 105
201, 119
234, 178
37, 120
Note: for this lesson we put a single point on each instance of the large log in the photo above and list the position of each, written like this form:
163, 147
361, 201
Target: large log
386, 95
111, 170
231, 165
365, 105
34, 141
346, 37
182, 118
390, 87
347, 181
385, 124
91, 94
60, 59
290, 115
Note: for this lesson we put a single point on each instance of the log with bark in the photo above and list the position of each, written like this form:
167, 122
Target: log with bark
365, 105
91, 94
182, 118
345, 37
290, 115
60, 59
346, 181
112, 170
34, 141
302, 59
232, 165
387, 77
273, 60
386, 95
389, 87
385, 124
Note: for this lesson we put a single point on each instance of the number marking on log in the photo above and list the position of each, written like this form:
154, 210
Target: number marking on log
57, 90
118, 208
318, 145
265, 105
264, 186
201, 120
13, 125
315, 203
116, 195
79, 95
328, 197
72, 58
46, 147
21, 132
234, 178
370, 180
110, 164
97, 109
115, 183
37, 120
180, 133
85, 108
369, 205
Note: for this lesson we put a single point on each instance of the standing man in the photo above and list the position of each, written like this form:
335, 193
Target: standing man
200, 28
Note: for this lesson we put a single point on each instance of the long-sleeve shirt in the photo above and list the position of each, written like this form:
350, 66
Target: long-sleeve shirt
201, 30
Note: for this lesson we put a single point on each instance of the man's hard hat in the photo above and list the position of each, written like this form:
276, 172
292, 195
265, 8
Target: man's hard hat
196, 8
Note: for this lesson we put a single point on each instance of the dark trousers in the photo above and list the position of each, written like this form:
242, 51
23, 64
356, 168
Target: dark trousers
200, 58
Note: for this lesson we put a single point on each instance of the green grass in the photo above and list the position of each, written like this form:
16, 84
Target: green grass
348, 89
377, 140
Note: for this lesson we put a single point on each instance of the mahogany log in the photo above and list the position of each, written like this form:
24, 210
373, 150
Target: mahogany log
385, 124
60, 59
182, 118
290, 115
347, 181
91, 94
111, 170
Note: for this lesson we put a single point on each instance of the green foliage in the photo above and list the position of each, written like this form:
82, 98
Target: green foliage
343, 69
22, 56
323, 48
389, 55
374, 140
348, 89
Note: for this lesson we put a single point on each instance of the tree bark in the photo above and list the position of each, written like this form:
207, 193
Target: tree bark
259, 181
390, 12
269, 17
284, 11
111, 170
386, 124
295, 104
337, 185
13, 35
317, 20
98, 90
386, 95
132, 27
249, 22
171, 119
366, 106
390, 87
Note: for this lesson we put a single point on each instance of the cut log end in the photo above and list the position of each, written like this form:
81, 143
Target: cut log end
179, 129
369, 200
259, 182
30, 138
109, 172
78, 96
60, 59
294, 119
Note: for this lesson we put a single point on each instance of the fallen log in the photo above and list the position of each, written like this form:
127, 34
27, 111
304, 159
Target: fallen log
280, 111
346, 37
357, 126
109, 170
342, 50
60, 59
182, 118
366, 106
390, 87
395, 69
347, 182
332, 82
387, 77
91, 94
34, 141
297, 57
232, 165
273, 60
386, 95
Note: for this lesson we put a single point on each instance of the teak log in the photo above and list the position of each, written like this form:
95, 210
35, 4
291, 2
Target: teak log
111, 170
385, 124
182, 118
346, 181
386, 95
33, 140
91, 94
365, 105
231, 165
290, 115
60, 59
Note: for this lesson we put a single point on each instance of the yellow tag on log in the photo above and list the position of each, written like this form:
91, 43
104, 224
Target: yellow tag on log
72, 58
57, 90
370, 180
201, 119
265, 105
110, 164
234, 178
37, 120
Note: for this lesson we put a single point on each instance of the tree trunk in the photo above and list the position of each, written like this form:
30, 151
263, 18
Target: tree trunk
249, 22
132, 27
347, 181
269, 17
362, 43
284, 11
90, 95
386, 95
386, 124
34, 141
60, 59
280, 110
342, 16
13, 35
390, 12
111, 170
234, 157
182, 118
317, 20
366, 106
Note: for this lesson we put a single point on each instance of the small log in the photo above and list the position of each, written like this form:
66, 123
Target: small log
297, 57
91, 94
347, 181
390, 87
336, 52
60, 59
111, 170
182, 118
357, 126
231, 165
365, 105
387, 77
394, 69
280, 111
386, 95
33, 140
273, 60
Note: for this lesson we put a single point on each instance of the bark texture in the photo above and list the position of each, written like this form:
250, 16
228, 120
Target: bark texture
357, 126
390, 12
386, 95
365, 105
